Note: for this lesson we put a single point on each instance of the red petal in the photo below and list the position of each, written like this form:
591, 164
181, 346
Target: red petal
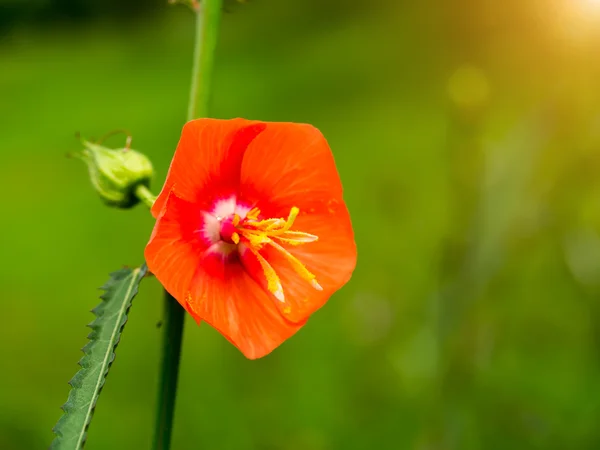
239, 309
289, 165
206, 165
292, 165
174, 250
331, 259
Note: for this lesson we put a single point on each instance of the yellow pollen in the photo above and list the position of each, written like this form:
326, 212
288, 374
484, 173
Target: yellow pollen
253, 214
274, 232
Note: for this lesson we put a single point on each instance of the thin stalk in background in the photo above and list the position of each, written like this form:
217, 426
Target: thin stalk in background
208, 16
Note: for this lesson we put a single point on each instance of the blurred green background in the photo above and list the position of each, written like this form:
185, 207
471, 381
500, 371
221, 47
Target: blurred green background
467, 135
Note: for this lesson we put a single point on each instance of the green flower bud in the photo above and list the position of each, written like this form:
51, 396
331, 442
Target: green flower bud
116, 174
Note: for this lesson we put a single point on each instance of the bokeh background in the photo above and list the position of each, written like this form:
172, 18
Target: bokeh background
467, 135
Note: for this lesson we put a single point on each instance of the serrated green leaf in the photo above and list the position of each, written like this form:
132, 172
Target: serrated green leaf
99, 353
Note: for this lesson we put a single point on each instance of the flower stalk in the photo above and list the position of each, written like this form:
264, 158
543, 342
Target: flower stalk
144, 195
208, 15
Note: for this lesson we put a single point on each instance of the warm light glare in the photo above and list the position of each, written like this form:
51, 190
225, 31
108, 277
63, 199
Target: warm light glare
587, 6
578, 20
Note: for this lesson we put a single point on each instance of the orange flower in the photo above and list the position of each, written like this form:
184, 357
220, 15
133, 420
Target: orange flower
252, 234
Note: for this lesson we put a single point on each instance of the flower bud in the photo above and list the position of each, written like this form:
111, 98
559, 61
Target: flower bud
116, 173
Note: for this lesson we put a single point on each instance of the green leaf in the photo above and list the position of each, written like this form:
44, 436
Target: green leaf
99, 353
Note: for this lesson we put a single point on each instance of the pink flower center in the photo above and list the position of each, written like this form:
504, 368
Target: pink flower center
253, 234
227, 229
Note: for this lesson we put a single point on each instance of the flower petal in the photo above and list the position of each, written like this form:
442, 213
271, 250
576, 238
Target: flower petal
174, 250
289, 165
233, 303
331, 259
292, 165
207, 162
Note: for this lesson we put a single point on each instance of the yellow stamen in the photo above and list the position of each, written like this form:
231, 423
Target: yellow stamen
297, 238
298, 267
273, 283
274, 232
235, 238
253, 214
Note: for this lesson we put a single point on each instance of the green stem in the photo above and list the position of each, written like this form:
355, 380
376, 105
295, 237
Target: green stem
146, 197
208, 15
171, 352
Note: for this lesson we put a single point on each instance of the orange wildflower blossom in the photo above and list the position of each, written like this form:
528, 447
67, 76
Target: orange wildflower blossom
252, 233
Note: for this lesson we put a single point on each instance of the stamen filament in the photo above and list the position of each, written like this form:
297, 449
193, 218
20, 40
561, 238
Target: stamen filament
296, 237
273, 283
253, 214
259, 233
297, 266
